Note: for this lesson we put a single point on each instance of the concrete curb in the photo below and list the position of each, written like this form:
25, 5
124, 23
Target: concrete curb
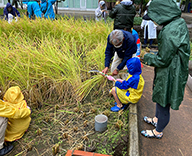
133, 149
189, 82
190, 64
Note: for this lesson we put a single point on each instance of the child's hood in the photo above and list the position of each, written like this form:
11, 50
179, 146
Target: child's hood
134, 66
13, 95
8, 5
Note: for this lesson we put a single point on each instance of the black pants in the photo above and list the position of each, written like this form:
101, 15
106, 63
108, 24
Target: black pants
163, 115
146, 35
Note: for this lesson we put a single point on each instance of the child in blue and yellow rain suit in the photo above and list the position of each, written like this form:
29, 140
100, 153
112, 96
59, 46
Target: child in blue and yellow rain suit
131, 89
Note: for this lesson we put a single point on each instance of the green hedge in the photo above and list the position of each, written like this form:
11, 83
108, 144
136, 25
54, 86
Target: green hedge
137, 21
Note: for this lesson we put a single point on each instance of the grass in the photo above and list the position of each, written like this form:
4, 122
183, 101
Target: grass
49, 61
72, 127
54, 52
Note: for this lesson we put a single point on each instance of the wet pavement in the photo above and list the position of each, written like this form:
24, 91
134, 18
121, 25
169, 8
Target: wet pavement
177, 138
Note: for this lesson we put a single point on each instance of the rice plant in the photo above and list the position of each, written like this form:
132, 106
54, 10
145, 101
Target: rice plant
51, 59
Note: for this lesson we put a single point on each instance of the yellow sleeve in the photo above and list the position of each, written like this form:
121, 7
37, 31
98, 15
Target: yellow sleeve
11, 112
21, 113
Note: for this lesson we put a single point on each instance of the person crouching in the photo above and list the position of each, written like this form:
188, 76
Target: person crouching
131, 89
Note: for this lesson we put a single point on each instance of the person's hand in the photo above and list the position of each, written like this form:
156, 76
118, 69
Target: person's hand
110, 78
145, 54
120, 80
142, 58
105, 70
115, 72
16, 19
29, 108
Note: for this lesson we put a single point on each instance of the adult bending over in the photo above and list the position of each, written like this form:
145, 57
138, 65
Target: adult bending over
120, 44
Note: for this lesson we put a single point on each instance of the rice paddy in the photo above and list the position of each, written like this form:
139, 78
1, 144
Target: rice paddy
49, 61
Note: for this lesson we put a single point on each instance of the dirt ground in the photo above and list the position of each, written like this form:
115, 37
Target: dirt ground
58, 127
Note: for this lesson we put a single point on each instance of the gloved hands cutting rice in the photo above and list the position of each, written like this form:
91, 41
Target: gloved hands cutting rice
109, 77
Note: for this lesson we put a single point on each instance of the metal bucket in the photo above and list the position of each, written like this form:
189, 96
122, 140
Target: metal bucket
101, 123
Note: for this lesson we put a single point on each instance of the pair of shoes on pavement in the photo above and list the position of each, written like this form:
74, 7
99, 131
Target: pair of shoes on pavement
116, 108
144, 132
158, 136
5, 150
150, 121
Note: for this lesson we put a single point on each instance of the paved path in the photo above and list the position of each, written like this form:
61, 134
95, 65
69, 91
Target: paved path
177, 139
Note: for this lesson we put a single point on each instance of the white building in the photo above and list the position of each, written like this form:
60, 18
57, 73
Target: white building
71, 7
89, 5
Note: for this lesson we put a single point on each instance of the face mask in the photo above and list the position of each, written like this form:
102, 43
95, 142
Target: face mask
118, 46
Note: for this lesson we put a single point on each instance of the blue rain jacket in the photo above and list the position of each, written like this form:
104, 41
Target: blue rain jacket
50, 12
137, 40
14, 11
33, 7
125, 52
135, 35
133, 85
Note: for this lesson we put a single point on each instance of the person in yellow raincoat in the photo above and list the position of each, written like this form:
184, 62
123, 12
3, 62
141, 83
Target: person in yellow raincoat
131, 89
14, 118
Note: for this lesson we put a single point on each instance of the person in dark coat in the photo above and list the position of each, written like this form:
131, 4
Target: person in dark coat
123, 15
9, 9
171, 63
120, 44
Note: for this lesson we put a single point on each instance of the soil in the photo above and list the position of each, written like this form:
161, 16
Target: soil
70, 125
